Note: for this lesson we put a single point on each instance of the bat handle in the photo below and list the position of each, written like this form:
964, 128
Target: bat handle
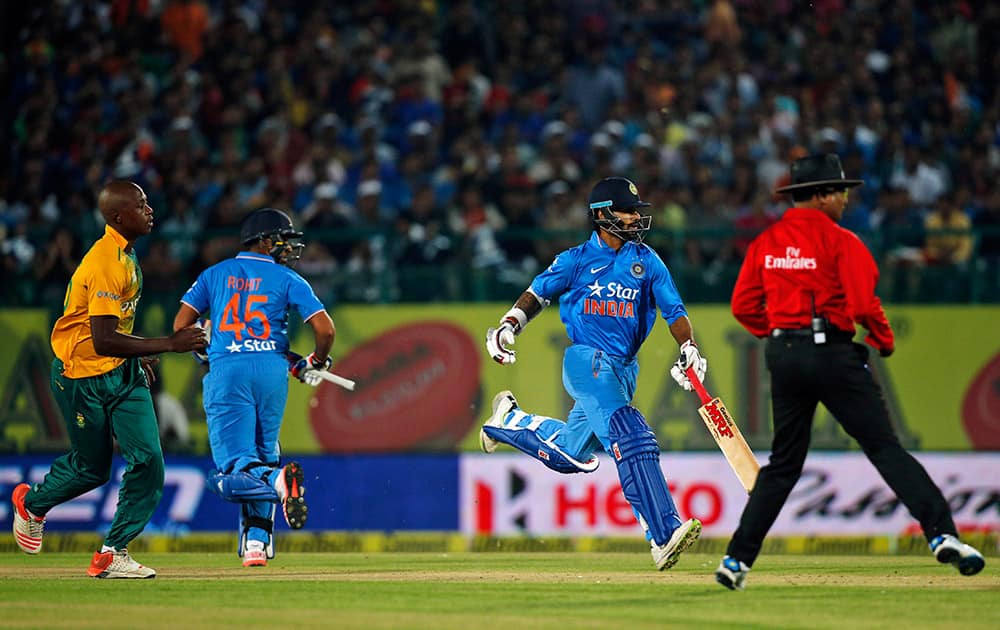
698, 387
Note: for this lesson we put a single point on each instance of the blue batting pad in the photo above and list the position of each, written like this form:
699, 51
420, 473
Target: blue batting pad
240, 487
528, 442
637, 456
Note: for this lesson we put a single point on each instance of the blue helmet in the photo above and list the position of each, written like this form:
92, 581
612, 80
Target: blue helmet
277, 226
617, 194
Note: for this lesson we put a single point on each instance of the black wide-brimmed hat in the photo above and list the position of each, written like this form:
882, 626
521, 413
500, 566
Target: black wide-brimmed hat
818, 171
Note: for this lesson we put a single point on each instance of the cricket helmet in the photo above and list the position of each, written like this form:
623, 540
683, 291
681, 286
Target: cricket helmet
277, 226
618, 194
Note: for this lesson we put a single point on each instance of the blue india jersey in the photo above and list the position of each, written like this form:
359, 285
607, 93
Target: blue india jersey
248, 298
609, 299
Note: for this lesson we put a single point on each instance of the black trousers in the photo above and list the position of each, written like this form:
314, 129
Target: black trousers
836, 374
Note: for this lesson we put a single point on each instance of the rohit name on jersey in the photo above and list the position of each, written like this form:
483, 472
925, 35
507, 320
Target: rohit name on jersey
613, 300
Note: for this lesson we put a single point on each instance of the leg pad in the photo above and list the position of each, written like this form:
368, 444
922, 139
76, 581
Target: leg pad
241, 487
528, 442
637, 456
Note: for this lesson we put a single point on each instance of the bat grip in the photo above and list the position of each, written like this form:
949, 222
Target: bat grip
698, 387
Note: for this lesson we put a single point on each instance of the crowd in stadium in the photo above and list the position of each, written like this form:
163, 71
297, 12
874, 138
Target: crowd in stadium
417, 133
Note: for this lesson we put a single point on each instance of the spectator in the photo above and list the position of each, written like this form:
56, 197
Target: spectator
753, 220
478, 222
186, 22
55, 265
594, 86
949, 235
326, 217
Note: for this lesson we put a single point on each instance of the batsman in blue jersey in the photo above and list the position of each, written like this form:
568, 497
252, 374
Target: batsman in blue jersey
248, 299
610, 288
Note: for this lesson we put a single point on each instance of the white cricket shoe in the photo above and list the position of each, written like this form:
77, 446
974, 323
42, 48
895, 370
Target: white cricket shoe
254, 554
289, 485
28, 528
666, 556
950, 550
502, 404
732, 573
117, 564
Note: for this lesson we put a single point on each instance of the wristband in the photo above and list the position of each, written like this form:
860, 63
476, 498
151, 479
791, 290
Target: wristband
517, 317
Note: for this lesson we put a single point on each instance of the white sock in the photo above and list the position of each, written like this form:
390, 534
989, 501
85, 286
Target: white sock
106, 549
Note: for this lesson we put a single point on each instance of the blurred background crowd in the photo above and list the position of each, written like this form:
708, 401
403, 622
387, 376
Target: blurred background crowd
436, 150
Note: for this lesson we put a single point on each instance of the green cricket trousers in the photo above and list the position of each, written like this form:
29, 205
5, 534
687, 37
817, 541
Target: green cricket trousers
96, 410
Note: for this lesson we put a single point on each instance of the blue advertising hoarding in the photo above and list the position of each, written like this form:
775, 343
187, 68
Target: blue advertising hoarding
358, 493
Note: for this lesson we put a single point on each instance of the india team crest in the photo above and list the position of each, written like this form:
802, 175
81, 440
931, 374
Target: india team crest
638, 269
632, 189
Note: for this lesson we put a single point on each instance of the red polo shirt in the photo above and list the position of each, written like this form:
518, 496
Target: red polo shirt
805, 258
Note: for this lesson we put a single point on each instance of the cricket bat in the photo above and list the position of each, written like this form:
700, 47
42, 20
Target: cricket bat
346, 383
727, 435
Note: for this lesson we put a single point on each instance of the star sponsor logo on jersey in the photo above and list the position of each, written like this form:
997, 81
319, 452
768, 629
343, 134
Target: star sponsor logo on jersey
253, 345
612, 300
793, 259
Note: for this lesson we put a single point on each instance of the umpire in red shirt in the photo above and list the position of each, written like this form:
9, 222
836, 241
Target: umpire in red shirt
804, 284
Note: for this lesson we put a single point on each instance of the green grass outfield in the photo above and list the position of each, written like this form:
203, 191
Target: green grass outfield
485, 590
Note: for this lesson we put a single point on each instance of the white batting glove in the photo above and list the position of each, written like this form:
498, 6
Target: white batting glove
690, 357
201, 356
307, 369
312, 378
498, 339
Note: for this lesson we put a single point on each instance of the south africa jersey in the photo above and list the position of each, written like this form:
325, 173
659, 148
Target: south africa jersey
107, 282
609, 299
249, 297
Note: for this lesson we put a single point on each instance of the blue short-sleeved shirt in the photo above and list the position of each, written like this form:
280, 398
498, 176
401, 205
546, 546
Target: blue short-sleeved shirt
249, 298
609, 299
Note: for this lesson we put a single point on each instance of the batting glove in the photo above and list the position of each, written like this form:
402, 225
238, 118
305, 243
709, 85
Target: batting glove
690, 357
307, 369
201, 356
498, 339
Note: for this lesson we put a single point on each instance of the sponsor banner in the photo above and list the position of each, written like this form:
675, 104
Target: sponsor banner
510, 494
839, 494
358, 493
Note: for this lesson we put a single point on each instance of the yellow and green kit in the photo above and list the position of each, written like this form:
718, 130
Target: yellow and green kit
103, 398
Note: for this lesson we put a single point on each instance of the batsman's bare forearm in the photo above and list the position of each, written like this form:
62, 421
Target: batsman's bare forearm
324, 332
109, 342
525, 309
681, 330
